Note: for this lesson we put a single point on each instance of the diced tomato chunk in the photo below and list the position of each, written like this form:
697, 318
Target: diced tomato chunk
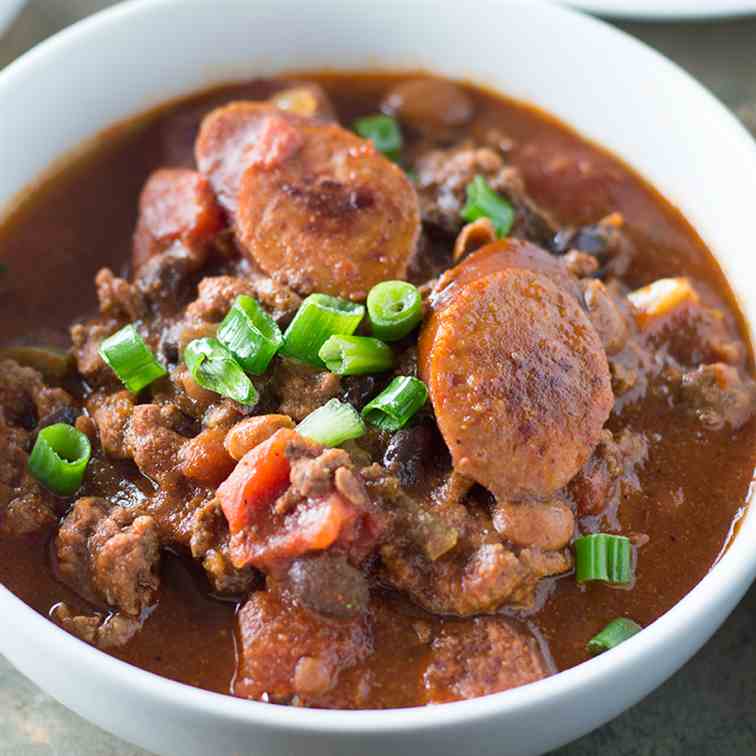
315, 525
269, 532
320, 526
258, 479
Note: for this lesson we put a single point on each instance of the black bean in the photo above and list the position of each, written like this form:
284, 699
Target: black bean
65, 415
328, 584
407, 453
358, 390
593, 240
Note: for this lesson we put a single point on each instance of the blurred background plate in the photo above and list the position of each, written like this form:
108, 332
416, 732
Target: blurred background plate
8, 11
665, 9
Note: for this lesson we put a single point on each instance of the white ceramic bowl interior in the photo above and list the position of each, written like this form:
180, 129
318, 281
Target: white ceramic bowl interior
668, 10
609, 87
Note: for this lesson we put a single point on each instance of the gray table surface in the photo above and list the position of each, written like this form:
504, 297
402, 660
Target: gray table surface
708, 708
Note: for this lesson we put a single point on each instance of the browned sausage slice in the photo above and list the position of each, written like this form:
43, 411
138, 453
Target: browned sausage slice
492, 258
519, 383
321, 210
504, 254
227, 141
176, 204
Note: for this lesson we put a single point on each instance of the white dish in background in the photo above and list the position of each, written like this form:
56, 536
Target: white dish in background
152, 50
8, 11
662, 10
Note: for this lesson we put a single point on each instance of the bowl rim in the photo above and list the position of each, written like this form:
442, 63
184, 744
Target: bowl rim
735, 566
666, 10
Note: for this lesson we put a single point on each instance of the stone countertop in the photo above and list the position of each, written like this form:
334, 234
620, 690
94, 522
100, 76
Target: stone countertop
706, 709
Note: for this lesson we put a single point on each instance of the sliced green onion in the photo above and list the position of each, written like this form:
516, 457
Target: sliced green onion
332, 424
601, 556
131, 359
394, 309
616, 632
484, 202
356, 355
214, 368
60, 457
383, 131
250, 334
396, 404
319, 318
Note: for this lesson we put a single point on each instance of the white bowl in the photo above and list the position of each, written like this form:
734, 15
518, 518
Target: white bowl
611, 88
666, 10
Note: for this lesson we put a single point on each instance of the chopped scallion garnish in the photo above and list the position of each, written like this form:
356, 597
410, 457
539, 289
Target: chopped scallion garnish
60, 457
394, 309
332, 424
319, 317
484, 202
393, 408
383, 131
356, 355
250, 334
601, 556
214, 368
131, 359
616, 632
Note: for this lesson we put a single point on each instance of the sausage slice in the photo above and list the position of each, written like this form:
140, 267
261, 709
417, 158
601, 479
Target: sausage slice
227, 141
326, 212
519, 383
176, 204
502, 255
315, 206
